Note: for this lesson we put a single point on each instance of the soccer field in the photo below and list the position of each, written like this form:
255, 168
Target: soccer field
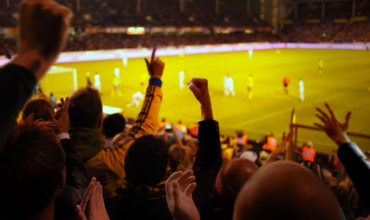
344, 83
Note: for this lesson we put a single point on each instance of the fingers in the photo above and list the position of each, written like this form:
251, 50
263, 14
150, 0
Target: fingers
184, 178
348, 116
175, 190
169, 181
330, 110
93, 203
153, 55
321, 118
193, 88
319, 126
80, 215
323, 114
174, 176
87, 194
190, 189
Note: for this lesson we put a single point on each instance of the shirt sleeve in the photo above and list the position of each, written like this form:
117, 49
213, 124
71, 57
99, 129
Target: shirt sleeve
16, 86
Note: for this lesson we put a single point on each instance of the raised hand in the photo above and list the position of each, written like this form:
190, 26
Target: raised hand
334, 128
43, 32
179, 190
92, 205
61, 116
155, 66
199, 87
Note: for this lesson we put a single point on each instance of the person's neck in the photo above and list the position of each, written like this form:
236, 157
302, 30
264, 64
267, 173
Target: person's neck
46, 214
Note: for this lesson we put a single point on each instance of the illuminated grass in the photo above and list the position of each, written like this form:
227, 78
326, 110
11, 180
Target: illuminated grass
344, 84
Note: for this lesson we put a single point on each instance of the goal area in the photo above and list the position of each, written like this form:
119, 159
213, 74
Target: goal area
61, 81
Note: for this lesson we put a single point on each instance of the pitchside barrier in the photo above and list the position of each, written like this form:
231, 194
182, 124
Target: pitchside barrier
295, 128
69, 57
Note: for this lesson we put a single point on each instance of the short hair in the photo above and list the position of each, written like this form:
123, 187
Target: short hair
231, 178
146, 161
179, 158
113, 124
285, 190
40, 109
85, 109
31, 169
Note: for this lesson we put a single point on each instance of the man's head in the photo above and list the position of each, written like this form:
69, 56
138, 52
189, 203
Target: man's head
32, 170
146, 161
179, 158
113, 124
232, 176
41, 109
285, 190
85, 109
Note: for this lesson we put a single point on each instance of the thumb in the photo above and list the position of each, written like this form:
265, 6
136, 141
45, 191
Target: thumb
79, 213
347, 118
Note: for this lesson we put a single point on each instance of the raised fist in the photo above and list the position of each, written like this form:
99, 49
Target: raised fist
43, 28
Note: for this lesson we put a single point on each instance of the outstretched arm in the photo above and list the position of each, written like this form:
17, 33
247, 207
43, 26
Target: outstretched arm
147, 120
208, 159
350, 155
39, 45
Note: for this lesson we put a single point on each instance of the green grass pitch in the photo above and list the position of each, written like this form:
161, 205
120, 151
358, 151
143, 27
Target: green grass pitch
345, 84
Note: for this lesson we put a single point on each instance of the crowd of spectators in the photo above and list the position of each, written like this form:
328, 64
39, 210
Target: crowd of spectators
327, 32
123, 13
117, 41
148, 170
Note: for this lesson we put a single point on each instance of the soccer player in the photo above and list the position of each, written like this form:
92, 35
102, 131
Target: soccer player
181, 79
116, 84
301, 89
53, 100
320, 66
286, 81
124, 61
88, 80
228, 85
97, 83
250, 86
250, 51
136, 98
117, 73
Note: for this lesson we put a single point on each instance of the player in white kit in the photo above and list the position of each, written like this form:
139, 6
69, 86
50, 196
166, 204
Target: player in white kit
136, 98
301, 89
229, 85
181, 79
97, 83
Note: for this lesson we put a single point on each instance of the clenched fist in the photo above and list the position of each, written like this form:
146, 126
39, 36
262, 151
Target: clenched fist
43, 32
199, 87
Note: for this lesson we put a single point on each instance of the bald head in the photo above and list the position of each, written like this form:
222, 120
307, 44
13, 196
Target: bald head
232, 177
285, 190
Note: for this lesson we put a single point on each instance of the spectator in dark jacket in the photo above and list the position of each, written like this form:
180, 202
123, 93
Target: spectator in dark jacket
144, 174
37, 52
206, 166
32, 167
355, 162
